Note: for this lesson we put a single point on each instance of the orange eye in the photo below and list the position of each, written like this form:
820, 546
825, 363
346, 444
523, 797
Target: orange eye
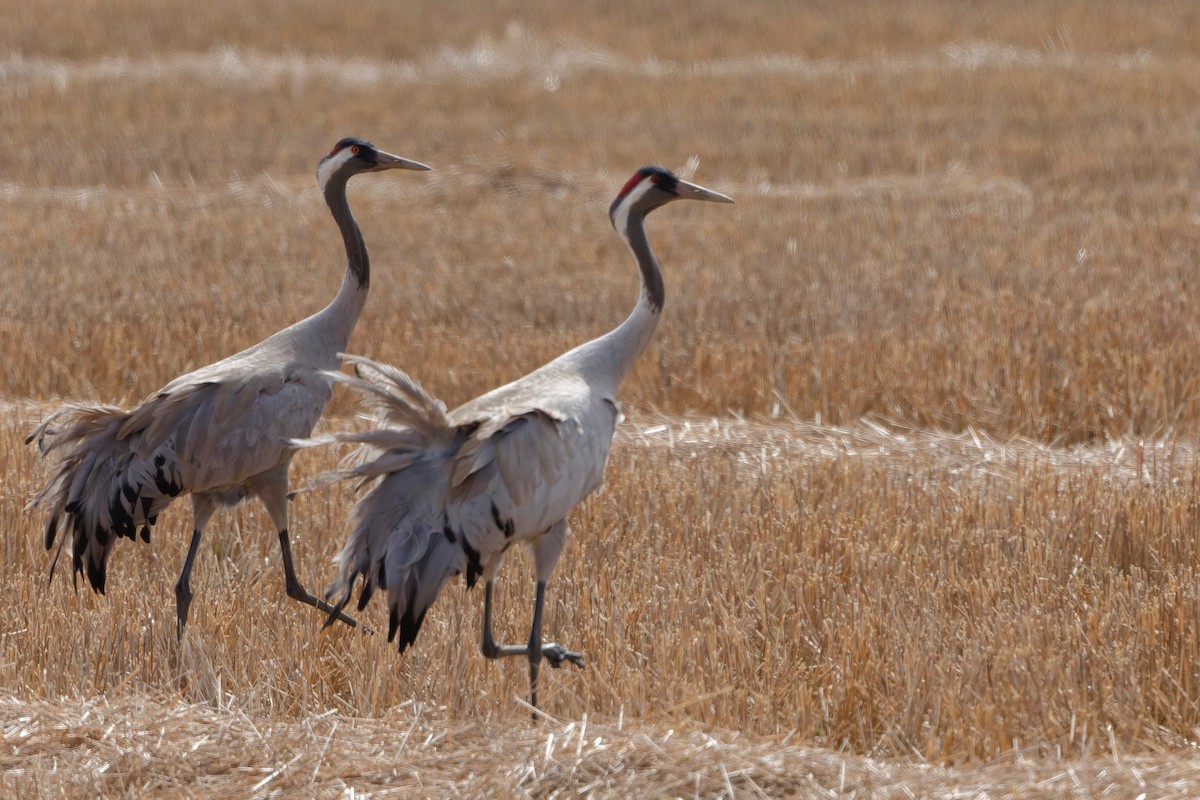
354, 149
654, 180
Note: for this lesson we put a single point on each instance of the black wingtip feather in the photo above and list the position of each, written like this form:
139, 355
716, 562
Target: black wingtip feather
393, 624
474, 564
409, 628
364, 596
408, 624
53, 564
96, 576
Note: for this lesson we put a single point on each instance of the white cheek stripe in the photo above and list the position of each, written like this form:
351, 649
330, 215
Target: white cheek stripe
621, 218
331, 165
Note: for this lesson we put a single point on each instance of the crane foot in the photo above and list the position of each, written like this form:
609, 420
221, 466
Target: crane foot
298, 592
556, 655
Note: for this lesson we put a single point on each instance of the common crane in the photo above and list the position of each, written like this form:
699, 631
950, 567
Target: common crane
455, 490
216, 433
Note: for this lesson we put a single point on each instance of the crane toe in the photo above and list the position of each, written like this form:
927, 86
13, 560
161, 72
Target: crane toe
556, 654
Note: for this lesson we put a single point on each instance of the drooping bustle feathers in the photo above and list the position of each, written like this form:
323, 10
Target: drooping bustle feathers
99, 488
415, 421
399, 399
414, 448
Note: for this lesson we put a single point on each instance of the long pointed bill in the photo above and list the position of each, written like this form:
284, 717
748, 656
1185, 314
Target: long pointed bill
389, 161
690, 191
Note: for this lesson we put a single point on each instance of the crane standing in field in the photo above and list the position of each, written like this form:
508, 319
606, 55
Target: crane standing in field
216, 433
456, 490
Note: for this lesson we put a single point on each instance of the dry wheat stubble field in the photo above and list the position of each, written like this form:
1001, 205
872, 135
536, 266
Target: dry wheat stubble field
908, 500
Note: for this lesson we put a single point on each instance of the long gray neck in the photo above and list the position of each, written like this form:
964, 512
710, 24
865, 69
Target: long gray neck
342, 313
653, 290
615, 353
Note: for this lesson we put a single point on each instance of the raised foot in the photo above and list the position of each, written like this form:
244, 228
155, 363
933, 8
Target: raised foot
556, 654
298, 592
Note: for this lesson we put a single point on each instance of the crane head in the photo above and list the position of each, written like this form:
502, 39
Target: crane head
651, 187
351, 156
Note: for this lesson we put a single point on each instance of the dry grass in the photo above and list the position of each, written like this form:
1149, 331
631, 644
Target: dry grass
974, 228
168, 749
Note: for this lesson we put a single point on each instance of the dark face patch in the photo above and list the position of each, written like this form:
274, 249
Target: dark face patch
344, 143
349, 141
662, 179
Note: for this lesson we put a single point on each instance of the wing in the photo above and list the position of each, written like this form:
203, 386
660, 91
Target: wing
115, 471
521, 449
399, 543
520, 474
220, 432
240, 429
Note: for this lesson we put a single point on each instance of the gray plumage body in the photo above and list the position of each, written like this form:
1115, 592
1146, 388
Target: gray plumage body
456, 490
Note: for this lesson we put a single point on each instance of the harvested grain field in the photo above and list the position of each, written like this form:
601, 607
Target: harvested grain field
907, 500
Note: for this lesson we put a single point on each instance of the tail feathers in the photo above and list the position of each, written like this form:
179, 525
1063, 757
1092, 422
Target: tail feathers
400, 544
73, 422
98, 490
398, 398
380, 452
416, 427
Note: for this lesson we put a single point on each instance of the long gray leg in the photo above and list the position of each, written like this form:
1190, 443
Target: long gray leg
535, 643
274, 497
296, 590
546, 550
202, 510
556, 654
488, 646
183, 589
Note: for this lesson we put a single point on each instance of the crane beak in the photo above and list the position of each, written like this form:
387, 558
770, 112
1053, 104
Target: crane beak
389, 161
690, 191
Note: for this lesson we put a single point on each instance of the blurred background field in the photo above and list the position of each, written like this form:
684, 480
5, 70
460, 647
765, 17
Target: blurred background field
906, 500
